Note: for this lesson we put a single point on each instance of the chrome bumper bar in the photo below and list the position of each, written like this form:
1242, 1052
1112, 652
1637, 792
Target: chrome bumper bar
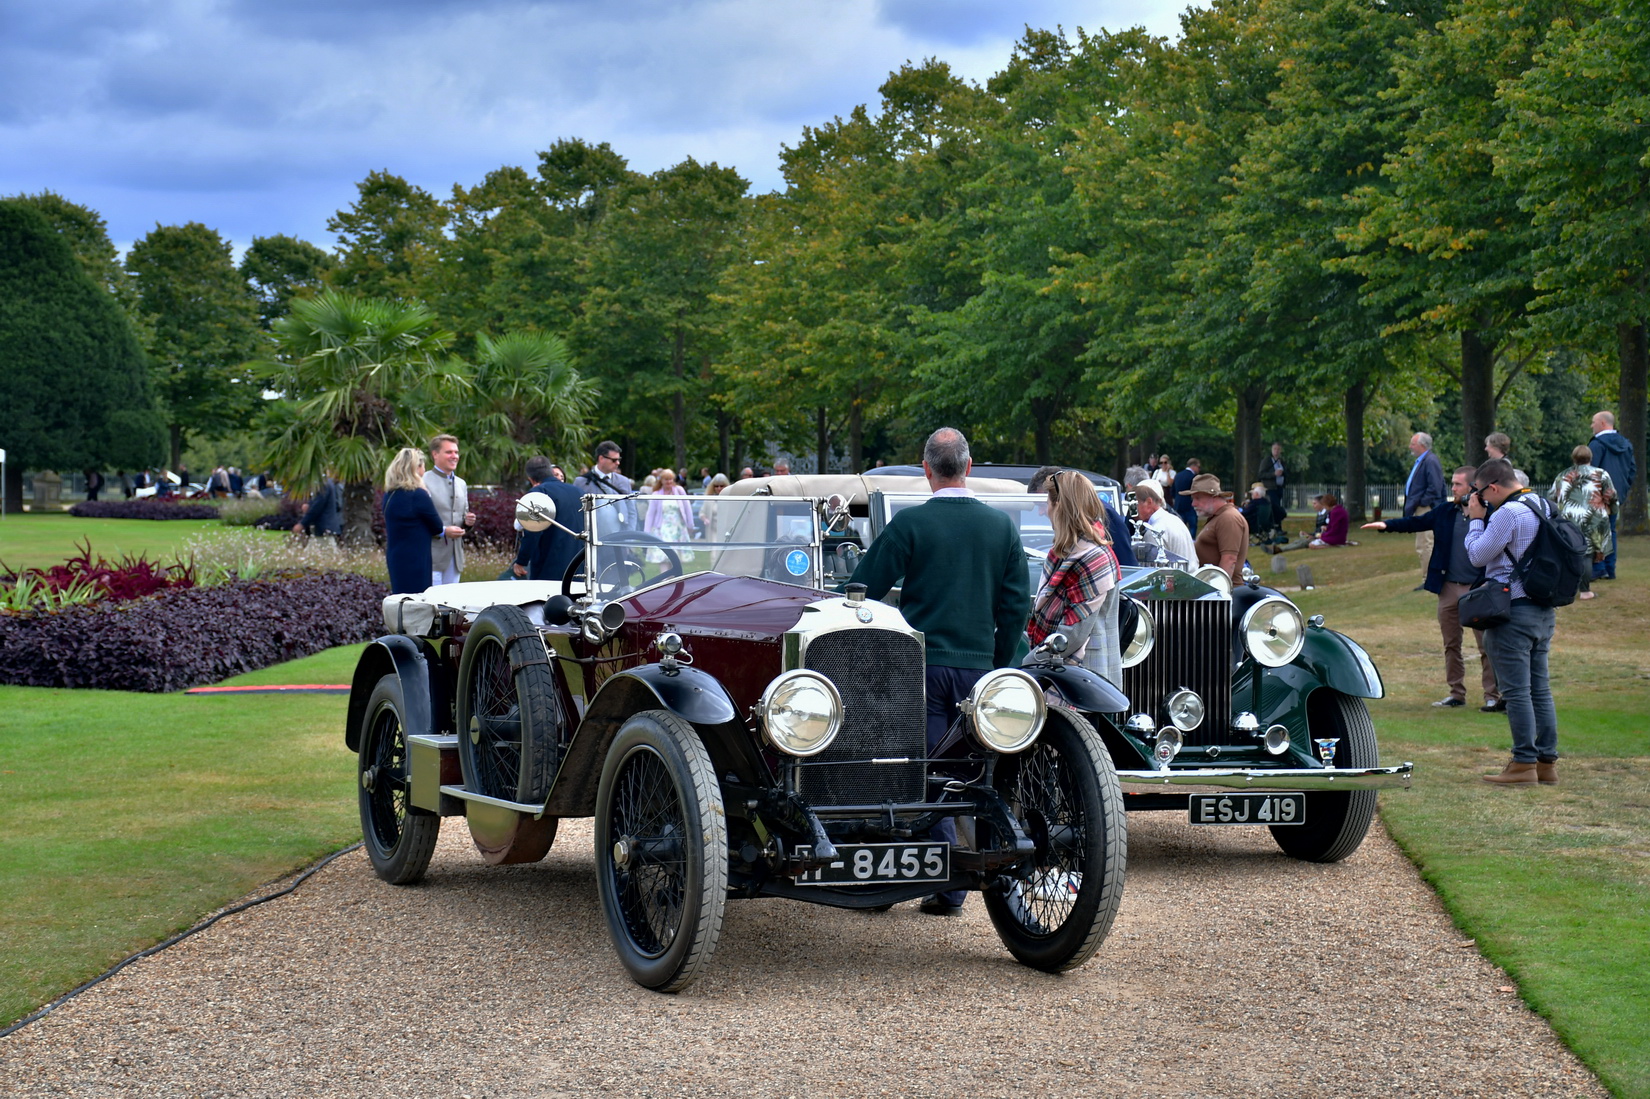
1249, 778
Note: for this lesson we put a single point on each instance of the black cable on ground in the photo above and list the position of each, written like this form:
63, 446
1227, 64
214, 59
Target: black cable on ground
173, 941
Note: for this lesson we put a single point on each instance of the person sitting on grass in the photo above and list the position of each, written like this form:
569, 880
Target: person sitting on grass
1333, 523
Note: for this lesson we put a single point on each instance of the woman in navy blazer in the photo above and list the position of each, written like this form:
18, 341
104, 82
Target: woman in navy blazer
410, 521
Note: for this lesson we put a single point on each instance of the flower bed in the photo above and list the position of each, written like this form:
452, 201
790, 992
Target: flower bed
184, 637
147, 508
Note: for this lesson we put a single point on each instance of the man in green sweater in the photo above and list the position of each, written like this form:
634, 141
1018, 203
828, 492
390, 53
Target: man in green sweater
963, 583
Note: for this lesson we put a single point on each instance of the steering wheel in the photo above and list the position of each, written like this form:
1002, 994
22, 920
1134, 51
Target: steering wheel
623, 565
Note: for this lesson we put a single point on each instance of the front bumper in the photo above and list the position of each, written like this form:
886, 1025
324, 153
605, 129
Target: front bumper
1255, 778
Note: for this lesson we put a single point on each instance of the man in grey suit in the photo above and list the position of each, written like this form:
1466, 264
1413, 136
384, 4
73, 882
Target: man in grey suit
452, 502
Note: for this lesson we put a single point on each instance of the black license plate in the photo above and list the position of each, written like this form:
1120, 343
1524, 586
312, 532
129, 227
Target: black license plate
1274, 809
880, 864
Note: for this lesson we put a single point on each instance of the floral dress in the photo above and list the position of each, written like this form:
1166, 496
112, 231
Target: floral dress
1585, 494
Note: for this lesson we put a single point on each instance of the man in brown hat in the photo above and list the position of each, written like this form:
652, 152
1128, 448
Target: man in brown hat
1223, 534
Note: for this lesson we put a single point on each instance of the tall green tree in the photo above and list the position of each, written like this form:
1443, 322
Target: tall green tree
75, 387
386, 238
1575, 144
359, 378
525, 398
203, 324
280, 268
1445, 246
649, 319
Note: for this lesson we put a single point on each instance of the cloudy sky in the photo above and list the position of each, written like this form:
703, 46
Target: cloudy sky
259, 116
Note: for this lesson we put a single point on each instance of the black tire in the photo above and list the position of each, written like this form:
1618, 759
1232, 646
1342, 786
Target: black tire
510, 718
1064, 792
1335, 823
399, 838
661, 850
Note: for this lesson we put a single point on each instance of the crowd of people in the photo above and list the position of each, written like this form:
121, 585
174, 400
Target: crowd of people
964, 582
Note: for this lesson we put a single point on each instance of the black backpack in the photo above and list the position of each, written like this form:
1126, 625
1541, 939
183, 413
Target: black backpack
1556, 560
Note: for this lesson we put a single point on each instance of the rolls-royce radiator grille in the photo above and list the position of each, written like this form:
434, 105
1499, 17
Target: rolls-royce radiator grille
1194, 649
879, 674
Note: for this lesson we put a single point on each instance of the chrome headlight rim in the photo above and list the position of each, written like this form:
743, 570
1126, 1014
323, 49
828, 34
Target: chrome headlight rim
774, 732
1258, 651
1185, 709
1000, 738
1145, 636
1216, 577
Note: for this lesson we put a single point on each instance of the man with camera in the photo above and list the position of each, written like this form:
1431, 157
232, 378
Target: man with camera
1450, 575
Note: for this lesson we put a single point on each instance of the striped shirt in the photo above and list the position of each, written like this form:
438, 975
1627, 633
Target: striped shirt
1496, 545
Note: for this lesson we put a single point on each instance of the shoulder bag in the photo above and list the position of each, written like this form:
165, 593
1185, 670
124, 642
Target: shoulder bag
1487, 605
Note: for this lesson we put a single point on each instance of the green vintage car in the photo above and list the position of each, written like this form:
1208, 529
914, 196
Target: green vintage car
1242, 710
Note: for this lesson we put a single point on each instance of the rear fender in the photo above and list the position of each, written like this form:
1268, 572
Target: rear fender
1079, 688
403, 658
690, 694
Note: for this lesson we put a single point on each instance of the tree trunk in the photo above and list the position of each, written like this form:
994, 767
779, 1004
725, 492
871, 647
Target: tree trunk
678, 404
1630, 421
357, 514
174, 433
724, 433
1043, 414
1251, 401
856, 433
14, 485
1477, 396
822, 439
1357, 397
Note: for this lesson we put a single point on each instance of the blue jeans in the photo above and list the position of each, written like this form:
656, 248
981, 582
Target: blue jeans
945, 688
1607, 567
1518, 652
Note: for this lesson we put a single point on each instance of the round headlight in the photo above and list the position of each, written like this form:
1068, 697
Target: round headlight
1185, 709
801, 712
1274, 630
1216, 577
1008, 710
1145, 636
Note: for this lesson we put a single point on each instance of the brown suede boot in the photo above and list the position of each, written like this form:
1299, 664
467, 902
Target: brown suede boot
1515, 774
1547, 773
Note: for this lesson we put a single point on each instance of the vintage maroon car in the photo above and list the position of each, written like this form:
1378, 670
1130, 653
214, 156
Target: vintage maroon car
736, 730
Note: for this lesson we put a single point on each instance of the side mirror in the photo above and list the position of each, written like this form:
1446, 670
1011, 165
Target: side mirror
535, 511
836, 513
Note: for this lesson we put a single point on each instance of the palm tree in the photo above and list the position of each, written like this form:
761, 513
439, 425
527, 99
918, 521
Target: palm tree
526, 398
358, 378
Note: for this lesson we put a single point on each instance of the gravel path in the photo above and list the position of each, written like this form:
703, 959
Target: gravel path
1231, 971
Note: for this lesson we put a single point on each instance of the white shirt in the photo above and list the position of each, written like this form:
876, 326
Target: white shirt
1171, 528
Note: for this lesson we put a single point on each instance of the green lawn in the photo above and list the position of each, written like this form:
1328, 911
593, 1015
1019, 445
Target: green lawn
36, 541
129, 816
1552, 882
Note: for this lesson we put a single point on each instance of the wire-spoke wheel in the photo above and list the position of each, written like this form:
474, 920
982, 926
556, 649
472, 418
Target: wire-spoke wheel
1337, 822
1063, 790
399, 838
510, 718
661, 850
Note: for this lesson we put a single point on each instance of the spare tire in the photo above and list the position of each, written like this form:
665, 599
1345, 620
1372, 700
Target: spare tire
512, 725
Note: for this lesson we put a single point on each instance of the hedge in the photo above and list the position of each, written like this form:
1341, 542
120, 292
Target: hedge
147, 508
185, 637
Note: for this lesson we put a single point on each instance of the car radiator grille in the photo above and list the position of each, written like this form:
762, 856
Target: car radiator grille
1194, 649
880, 676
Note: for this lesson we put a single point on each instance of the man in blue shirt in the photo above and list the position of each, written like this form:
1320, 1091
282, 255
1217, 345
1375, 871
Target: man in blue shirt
1423, 490
1614, 455
1178, 498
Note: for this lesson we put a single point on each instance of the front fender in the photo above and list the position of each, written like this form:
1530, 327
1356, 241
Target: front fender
1340, 662
1080, 688
689, 693
402, 657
